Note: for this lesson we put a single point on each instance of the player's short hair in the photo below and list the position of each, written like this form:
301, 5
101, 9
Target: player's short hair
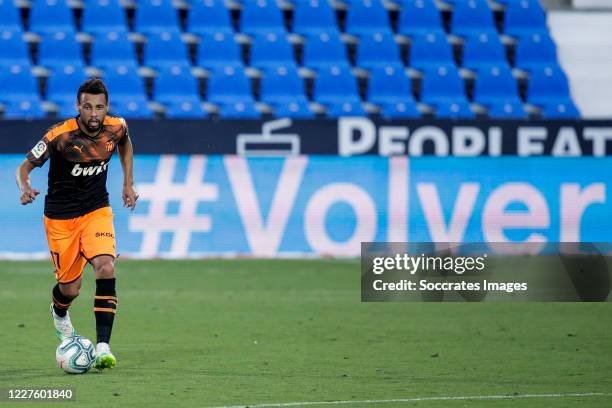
93, 86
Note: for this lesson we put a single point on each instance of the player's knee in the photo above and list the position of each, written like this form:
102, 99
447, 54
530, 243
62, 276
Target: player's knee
105, 270
70, 291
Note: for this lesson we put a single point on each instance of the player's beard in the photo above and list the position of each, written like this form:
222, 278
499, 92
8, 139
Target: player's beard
94, 128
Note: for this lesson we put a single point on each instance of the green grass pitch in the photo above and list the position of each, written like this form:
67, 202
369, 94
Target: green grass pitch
238, 332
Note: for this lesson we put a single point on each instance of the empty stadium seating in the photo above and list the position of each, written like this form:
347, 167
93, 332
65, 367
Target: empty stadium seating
156, 16
19, 93
534, 51
271, 50
378, 50
283, 88
548, 88
61, 90
336, 88
208, 17
9, 16
114, 17
51, 16
444, 89
387, 47
112, 49
261, 17
176, 88
472, 17
430, 51
14, 49
217, 51
391, 89
325, 50
482, 51
419, 17
313, 17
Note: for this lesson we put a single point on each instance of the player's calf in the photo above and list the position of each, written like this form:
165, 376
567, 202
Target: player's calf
59, 312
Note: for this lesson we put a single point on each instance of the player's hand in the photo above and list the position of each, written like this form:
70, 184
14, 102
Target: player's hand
129, 197
28, 196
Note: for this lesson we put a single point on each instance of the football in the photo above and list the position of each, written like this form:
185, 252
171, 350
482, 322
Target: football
75, 355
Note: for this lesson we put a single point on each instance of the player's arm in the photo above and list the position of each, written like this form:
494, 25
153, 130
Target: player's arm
126, 156
22, 175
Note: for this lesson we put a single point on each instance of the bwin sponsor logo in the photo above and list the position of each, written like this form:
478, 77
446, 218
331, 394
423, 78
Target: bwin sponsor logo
77, 170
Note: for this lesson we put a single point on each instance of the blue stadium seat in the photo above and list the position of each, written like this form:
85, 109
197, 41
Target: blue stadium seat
378, 50
165, 49
324, 50
339, 109
261, 17
185, 110
430, 51
454, 110
507, 110
418, 17
313, 17
217, 51
174, 85
131, 109
67, 110
62, 85
271, 50
336, 88
59, 49
496, 86
548, 86
281, 85
443, 85
156, 16
228, 86
111, 49
125, 85
535, 51
239, 110
483, 51
367, 17
9, 16
283, 88
562, 110
472, 17
294, 110
22, 109
209, 17
103, 16
391, 89
51, 16
400, 110
13, 49
524, 17
18, 85
389, 85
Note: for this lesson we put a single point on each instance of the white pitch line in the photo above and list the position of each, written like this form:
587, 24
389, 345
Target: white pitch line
415, 399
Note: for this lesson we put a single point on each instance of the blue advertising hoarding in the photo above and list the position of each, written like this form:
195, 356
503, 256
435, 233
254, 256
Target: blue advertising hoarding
192, 206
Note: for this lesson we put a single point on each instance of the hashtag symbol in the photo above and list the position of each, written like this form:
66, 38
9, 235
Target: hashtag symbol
188, 194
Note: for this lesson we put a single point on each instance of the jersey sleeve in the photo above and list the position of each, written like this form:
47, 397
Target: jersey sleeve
40, 152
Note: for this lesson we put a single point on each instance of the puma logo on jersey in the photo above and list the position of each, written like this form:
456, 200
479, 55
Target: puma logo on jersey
77, 170
79, 148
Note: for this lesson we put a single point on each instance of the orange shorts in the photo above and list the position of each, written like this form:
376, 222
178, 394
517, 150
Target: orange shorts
73, 242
